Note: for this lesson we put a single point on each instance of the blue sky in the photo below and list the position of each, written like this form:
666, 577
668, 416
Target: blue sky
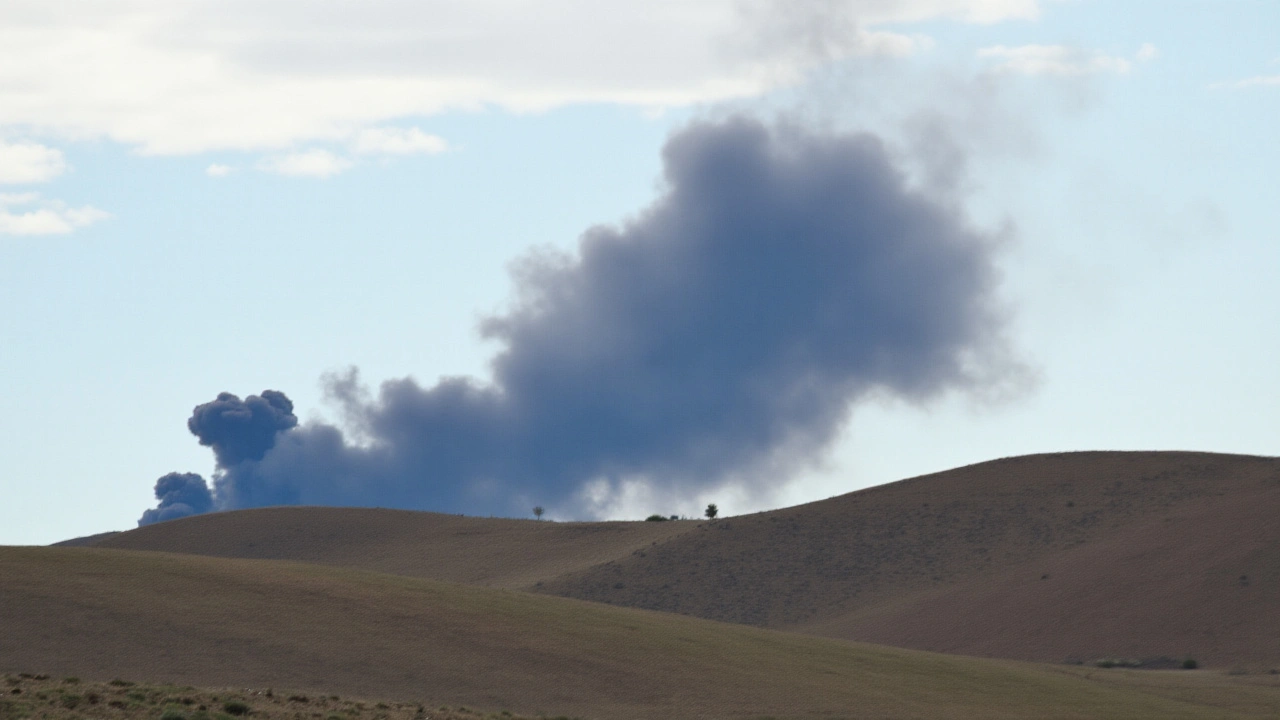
237, 196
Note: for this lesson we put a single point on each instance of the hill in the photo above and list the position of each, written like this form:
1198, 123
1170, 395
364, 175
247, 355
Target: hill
101, 614
1048, 558
1071, 556
493, 552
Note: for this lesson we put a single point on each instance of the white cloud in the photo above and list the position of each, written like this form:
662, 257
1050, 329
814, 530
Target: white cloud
1257, 81
217, 170
398, 141
11, 199
197, 75
1061, 60
1147, 53
314, 163
50, 217
23, 163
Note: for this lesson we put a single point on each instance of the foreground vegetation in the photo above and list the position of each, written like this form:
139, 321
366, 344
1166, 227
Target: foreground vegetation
33, 696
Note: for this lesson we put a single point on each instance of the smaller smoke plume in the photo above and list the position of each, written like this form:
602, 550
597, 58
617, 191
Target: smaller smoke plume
180, 495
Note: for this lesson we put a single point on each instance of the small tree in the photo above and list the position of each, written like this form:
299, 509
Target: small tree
537, 511
712, 511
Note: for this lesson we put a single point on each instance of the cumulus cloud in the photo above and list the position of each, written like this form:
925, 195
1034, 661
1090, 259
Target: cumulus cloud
24, 163
271, 74
28, 214
313, 163
397, 141
721, 336
217, 170
1062, 60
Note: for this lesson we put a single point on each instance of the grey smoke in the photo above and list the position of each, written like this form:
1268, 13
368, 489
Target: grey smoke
180, 495
240, 430
721, 335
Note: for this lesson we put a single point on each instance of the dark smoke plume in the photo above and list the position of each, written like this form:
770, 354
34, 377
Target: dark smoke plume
180, 495
240, 430
721, 335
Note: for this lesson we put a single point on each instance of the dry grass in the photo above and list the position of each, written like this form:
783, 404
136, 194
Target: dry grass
493, 552
1046, 557
1050, 557
31, 696
213, 622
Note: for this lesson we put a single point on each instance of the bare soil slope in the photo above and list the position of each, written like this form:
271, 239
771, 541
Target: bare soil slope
101, 614
493, 552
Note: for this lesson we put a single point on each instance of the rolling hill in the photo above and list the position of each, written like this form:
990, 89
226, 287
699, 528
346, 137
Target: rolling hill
1061, 557
492, 552
183, 619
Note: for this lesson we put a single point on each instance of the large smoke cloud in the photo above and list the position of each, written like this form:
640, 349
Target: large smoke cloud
721, 335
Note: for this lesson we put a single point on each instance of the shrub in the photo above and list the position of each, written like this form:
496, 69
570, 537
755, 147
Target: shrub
1117, 662
173, 714
656, 518
1190, 664
711, 511
235, 707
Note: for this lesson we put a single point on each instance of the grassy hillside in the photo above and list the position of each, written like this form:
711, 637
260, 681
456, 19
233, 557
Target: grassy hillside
1049, 557
101, 614
1045, 557
493, 552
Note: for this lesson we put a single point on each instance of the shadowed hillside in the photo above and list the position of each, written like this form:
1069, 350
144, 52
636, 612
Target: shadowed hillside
1047, 557
1077, 555
101, 614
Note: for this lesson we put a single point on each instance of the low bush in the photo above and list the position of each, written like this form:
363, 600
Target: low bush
1117, 663
235, 707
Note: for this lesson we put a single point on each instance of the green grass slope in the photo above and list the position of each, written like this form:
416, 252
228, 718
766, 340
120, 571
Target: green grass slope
101, 614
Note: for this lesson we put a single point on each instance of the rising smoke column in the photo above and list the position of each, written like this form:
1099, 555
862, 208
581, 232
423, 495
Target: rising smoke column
722, 335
